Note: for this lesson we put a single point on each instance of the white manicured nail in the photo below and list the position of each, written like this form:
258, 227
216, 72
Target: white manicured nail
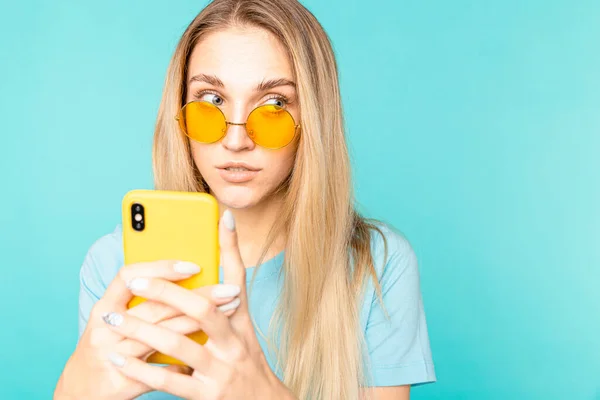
228, 220
138, 284
117, 360
185, 267
232, 305
225, 290
113, 318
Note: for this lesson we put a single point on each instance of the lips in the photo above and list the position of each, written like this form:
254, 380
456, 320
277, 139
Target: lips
237, 165
237, 172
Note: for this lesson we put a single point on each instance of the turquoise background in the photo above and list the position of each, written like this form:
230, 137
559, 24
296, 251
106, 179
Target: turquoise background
474, 128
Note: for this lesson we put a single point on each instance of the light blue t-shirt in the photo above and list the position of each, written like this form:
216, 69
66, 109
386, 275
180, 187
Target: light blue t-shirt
398, 345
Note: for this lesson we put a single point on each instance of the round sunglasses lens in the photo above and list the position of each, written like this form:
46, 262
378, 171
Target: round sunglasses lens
202, 122
271, 126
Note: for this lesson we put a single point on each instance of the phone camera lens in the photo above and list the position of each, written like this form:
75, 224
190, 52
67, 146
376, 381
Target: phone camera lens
137, 217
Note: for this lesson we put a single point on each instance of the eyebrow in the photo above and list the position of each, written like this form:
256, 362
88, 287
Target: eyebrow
261, 87
210, 79
273, 83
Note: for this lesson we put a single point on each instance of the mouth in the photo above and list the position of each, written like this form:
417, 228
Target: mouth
237, 167
237, 172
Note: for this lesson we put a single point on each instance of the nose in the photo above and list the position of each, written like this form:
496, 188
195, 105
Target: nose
236, 137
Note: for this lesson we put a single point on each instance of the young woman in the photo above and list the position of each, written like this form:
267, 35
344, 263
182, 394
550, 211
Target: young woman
251, 113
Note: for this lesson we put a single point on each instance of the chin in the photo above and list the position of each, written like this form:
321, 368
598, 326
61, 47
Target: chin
236, 197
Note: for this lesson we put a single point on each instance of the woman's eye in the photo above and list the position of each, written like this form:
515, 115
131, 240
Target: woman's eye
212, 98
277, 102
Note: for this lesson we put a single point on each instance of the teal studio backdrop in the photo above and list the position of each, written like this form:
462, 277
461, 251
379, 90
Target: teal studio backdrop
474, 128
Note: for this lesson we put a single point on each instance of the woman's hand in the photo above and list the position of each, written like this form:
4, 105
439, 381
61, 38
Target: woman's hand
231, 365
89, 374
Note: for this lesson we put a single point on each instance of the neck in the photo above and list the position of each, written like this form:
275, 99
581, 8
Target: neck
253, 225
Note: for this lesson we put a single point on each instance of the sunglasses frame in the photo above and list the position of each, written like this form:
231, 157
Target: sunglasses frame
227, 123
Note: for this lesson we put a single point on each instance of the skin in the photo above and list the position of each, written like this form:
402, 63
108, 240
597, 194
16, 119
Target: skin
258, 57
87, 371
231, 364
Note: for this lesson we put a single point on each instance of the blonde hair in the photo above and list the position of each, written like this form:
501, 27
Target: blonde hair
328, 250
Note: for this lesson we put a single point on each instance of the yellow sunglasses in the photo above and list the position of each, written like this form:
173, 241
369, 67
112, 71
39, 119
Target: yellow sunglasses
268, 126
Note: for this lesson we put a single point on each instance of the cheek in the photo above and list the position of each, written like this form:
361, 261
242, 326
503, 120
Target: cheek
202, 156
279, 165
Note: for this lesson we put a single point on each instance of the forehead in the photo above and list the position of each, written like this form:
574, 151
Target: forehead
240, 55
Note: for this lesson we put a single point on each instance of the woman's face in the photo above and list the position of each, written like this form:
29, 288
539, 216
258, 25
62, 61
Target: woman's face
226, 68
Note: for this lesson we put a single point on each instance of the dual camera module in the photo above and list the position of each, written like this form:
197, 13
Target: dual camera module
137, 217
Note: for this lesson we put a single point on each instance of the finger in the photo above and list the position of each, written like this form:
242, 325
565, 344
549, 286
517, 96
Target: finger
200, 308
180, 324
166, 269
162, 339
154, 312
234, 271
183, 325
157, 378
179, 369
117, 295
98, 335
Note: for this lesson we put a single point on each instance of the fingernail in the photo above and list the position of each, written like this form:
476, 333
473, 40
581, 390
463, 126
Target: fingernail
113, 318
185, 267
232, 305
117, 360
138, 284
228, 220
225, 290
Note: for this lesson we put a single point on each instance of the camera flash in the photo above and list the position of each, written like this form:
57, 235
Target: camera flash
138, 217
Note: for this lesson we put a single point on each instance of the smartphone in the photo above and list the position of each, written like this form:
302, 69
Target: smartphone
169, 225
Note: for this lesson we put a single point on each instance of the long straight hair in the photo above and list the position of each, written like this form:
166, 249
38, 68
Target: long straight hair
328, 244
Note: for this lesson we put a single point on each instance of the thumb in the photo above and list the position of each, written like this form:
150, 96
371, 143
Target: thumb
234, 272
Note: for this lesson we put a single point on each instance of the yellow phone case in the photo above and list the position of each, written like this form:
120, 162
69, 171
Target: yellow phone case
179, 226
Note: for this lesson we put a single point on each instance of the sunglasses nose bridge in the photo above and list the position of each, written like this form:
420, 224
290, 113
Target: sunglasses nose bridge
244, 124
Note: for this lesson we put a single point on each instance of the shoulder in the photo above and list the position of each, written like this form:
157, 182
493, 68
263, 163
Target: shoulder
392, 252
394, 320
103, 260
